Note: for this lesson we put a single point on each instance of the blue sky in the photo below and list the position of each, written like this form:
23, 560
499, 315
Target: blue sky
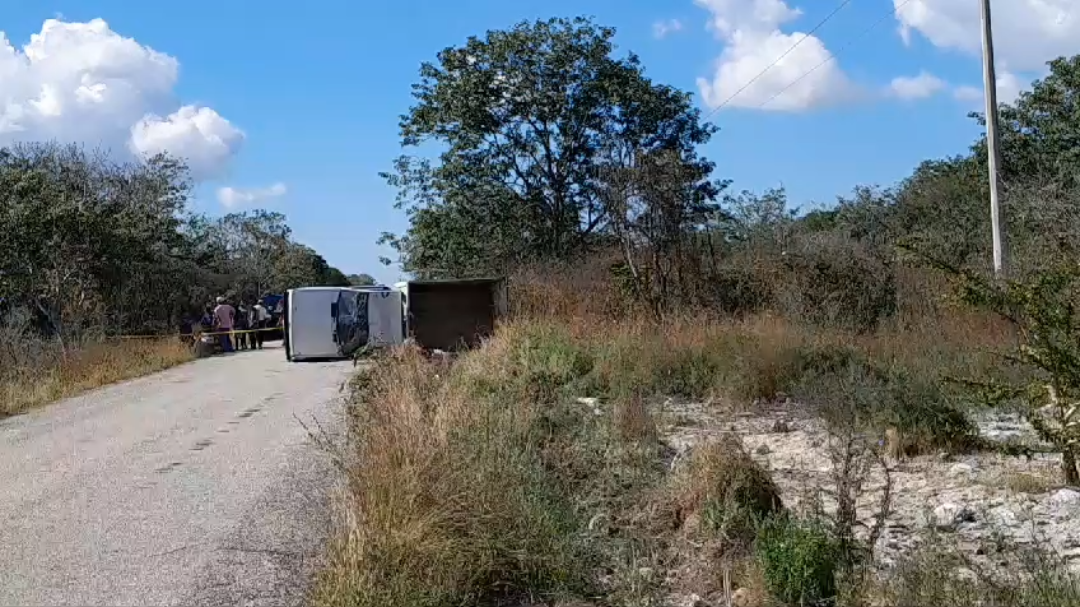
317, 87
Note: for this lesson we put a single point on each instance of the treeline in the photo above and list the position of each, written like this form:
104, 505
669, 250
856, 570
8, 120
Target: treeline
560, 153
96, 246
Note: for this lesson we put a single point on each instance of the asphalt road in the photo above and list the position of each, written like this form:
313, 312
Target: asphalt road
195, 486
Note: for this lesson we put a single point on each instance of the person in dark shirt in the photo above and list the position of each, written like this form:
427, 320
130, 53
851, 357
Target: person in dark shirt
187, 330
241, 324
207, 320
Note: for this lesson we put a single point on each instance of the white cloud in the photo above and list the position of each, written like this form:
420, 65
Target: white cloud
1027, 33
199, 135
921, 86
750, 30
230, 197
84, 82
969, 94
661, 29
1009, 86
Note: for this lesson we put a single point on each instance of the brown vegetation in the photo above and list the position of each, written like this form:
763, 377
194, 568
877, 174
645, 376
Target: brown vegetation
492, 481
40, 373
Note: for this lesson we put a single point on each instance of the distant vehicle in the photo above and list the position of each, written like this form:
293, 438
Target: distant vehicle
335, 322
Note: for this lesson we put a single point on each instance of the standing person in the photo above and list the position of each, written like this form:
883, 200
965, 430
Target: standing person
224, 317
207, 321
262, 322
187, 330
241, 326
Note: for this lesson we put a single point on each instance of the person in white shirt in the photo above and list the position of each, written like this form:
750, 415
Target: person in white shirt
260, 321
224, 317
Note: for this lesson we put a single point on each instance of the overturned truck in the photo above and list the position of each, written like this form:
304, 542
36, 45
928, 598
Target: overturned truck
451, 315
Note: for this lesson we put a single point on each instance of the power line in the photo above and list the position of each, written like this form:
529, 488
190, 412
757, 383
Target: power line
836, 10
831, 58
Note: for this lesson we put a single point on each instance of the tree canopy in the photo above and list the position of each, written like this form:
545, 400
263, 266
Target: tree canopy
95, 245
528, 119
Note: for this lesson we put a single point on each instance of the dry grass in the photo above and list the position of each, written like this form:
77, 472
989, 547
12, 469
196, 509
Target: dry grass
1027, 482
55, 375
722, 491
939, 574
468, 483
487, 482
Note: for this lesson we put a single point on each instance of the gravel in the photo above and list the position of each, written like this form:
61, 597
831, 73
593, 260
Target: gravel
195, 486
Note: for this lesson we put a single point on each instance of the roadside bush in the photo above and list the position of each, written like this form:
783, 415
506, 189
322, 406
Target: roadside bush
474, 482
833, 281
799, 561
879, 397
726, 492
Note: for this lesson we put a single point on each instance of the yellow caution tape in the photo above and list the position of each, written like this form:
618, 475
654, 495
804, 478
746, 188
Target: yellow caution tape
236, 332
200, 334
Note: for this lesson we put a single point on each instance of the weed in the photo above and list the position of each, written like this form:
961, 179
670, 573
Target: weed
1025, 576
799, 560
728, 491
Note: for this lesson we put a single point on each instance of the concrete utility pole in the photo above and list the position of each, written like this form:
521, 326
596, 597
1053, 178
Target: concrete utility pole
990, 87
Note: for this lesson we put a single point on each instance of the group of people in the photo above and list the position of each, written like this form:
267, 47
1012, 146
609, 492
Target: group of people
240, 327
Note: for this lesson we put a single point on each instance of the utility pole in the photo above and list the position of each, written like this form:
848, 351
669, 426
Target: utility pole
993, 156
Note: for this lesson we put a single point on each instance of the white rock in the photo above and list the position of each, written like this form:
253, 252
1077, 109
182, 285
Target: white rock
1065, 497
741, 598
961, 469
949, 515
691, 600
966, 575
1004, 517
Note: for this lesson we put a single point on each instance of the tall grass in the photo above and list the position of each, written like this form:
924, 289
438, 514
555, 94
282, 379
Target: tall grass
473, 483
35, 373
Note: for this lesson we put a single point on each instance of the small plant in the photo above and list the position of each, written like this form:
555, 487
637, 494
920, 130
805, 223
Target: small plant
799, 560
848, 398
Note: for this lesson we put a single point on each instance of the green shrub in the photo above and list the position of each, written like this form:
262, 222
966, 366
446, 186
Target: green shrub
1043, 311
879, 396
830, 280
799, 561
738, 291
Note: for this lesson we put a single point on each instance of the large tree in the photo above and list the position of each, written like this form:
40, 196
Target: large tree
527, 120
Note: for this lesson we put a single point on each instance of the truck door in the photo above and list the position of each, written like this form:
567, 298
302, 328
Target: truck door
351, 326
